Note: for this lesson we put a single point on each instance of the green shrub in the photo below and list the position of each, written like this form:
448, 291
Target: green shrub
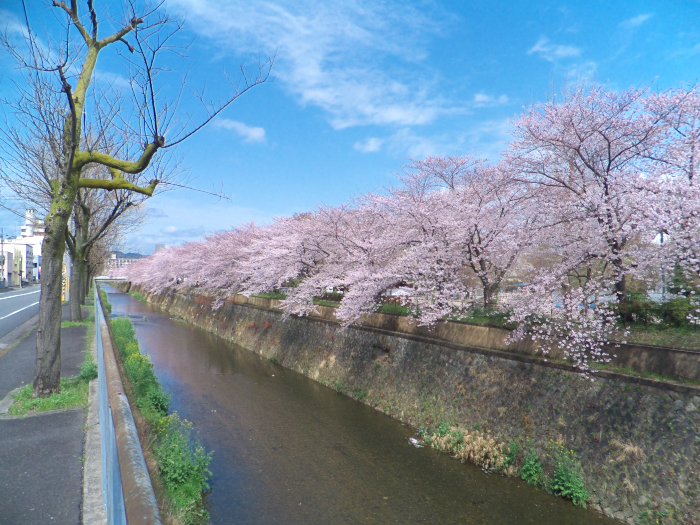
182, 462
158, 399
567, 480
138, 296
183, 466
393, 309
675, 311
123, 333
105, 302
442, 429
511, 454
139, 370
359, 394
332, 296
531, 471
88, 370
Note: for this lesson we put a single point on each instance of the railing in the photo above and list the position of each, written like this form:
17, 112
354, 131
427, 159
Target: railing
126, 485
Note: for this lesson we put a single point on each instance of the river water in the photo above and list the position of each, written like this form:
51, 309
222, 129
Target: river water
288, 450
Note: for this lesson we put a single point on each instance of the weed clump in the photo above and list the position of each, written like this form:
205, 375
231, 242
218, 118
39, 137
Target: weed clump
475, 446
138, 297
566, 479
105, 303
73, 393
183, 464
531, 472
559, 471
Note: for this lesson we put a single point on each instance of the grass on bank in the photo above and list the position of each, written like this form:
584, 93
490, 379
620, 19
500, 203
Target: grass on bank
106, 306
558, 470
182, 463
673, 337
649, 375
88, 321
270, 295
73, 392
138, 297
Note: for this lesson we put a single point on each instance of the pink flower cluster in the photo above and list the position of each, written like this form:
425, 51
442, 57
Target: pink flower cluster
552, 233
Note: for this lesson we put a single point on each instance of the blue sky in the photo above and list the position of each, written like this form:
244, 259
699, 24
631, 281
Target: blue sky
361, 86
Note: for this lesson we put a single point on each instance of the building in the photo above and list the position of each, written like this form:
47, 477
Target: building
120, 260
32, 234
17, 264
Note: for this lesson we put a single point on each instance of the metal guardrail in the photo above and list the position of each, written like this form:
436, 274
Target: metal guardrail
126, 485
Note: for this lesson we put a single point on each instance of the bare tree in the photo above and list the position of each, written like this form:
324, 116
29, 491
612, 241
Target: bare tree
51, 135
97, 215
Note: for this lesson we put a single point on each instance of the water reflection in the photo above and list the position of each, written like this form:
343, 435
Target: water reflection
288, 450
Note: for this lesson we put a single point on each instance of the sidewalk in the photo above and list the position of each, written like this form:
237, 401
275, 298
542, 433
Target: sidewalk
41, 456
16, 288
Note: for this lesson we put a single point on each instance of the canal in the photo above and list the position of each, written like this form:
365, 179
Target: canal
288, 450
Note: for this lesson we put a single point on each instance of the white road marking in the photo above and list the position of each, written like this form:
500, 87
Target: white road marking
18, 311
19, 295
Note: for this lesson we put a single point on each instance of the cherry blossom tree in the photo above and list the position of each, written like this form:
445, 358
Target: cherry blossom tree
572, 211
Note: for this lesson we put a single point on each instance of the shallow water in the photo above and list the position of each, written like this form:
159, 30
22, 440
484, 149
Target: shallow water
289, 450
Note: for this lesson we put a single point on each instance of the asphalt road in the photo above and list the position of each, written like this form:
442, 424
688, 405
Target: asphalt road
17, 307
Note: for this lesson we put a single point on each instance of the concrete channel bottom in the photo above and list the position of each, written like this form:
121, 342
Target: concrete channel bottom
42, 469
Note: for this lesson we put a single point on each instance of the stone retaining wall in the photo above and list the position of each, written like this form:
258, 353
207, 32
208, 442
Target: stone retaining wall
638, 443
669, 362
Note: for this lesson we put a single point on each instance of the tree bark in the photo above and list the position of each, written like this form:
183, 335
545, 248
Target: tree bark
621, 288
490, 290
47, 371
76, 286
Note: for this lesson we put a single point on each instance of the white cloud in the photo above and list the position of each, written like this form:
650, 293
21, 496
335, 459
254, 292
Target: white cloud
10, 24
185, 217
583, 70
249, 133
113, 80
361, 61
482, 99
633, 23
553, 52
489, 138
370, 145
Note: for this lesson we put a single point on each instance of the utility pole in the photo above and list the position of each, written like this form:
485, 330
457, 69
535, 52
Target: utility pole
2, 254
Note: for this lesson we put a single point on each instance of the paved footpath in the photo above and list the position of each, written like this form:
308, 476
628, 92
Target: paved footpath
41, 469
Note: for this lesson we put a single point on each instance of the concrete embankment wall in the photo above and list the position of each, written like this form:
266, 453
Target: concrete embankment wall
637, 439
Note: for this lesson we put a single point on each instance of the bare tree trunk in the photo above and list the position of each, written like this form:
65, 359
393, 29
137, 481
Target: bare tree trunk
76, 282
490, 290
621, 288
83, 284
86, 283
47, 372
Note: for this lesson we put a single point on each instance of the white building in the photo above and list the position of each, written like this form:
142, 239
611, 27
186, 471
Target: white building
32, 234
17, 264
115, 261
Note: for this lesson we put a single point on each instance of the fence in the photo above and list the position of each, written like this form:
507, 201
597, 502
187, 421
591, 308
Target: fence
126, 485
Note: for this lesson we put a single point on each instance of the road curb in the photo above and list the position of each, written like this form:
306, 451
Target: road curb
11, 338
7, 401
5, 417
94, 512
